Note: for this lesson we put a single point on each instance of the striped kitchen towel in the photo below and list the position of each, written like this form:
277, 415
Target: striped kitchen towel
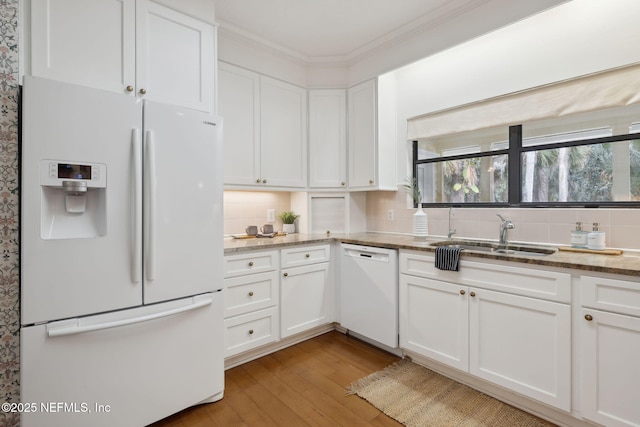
447, 258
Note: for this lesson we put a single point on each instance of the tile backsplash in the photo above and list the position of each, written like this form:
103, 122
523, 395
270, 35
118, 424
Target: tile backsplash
243, 208
622, 226
540, 225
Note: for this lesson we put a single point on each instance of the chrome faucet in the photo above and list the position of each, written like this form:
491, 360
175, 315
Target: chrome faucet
505, 224
451, 231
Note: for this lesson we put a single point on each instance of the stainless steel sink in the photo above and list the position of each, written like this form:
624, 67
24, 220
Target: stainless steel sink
496, 248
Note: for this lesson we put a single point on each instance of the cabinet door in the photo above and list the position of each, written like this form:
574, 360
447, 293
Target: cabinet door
523, 344
434, 320
610, 370
239, 106
251, 330
249, 293
327, 139
283, 130
362, 135
89, 43
175, 57
305, 295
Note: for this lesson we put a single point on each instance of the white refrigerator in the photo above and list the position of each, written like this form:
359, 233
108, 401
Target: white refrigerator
121, 258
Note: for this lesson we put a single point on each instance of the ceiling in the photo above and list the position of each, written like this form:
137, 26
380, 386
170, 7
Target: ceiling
343, 30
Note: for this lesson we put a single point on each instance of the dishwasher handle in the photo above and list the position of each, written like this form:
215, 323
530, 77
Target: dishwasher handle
366, 253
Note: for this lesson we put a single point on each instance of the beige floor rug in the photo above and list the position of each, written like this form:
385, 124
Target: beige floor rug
416, 396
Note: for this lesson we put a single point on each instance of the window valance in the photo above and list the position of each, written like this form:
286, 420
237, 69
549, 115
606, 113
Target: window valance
614, 88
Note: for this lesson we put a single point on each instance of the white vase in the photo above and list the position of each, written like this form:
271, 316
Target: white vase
289, 228
420, 223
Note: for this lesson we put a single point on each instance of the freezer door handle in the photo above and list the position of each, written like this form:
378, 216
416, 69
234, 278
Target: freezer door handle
136, 268
74, 327
151, 205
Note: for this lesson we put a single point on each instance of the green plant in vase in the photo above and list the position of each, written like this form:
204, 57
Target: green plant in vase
288, 221
413, 189
420, 220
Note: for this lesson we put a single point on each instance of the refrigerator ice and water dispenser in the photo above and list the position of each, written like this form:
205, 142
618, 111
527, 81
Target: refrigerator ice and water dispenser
73, 199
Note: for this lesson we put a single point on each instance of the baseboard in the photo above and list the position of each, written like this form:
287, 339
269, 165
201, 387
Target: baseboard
509, 397
395, 351
248, 356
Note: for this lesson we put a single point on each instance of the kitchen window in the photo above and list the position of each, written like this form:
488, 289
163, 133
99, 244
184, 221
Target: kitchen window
587, 160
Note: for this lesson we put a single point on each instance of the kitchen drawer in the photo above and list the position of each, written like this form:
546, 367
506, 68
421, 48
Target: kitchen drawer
249, 263
249, 293
618, 296
242, 333
305, 255
549, 285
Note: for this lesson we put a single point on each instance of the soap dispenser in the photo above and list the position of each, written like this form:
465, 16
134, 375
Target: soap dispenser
579, 236
595, 238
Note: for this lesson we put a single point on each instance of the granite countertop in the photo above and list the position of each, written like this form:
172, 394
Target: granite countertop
627, 264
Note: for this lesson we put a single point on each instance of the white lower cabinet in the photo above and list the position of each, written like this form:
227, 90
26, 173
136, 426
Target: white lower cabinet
251, 313
306, 293
610, 351
271, 295
434, 320
521, 343
518, 342
250, 330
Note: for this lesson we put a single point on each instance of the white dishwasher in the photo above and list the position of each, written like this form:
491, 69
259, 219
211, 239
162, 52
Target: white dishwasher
369, 292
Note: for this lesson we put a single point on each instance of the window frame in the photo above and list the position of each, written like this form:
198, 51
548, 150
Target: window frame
514, 167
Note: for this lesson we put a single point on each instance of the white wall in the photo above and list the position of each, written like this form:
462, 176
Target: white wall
574, 39
448, 26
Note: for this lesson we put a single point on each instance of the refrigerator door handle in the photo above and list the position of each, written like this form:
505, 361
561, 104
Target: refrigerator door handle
151, 204
74, 327
136, 267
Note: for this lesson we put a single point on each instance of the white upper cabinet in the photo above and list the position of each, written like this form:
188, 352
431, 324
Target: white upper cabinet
265, 125
362, 135
125, 46
283, 133
371, 135
327, 139
90, 43
239, 106
175, 57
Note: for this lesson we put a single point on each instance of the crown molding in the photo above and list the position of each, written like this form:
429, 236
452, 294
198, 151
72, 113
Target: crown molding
395, 38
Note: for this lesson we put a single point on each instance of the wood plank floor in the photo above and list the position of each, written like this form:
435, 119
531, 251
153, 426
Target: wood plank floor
303, 385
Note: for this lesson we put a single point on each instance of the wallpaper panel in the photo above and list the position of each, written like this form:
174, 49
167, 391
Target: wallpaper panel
9, 213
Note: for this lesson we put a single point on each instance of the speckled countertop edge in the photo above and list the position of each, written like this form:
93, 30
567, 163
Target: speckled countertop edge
627, 264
